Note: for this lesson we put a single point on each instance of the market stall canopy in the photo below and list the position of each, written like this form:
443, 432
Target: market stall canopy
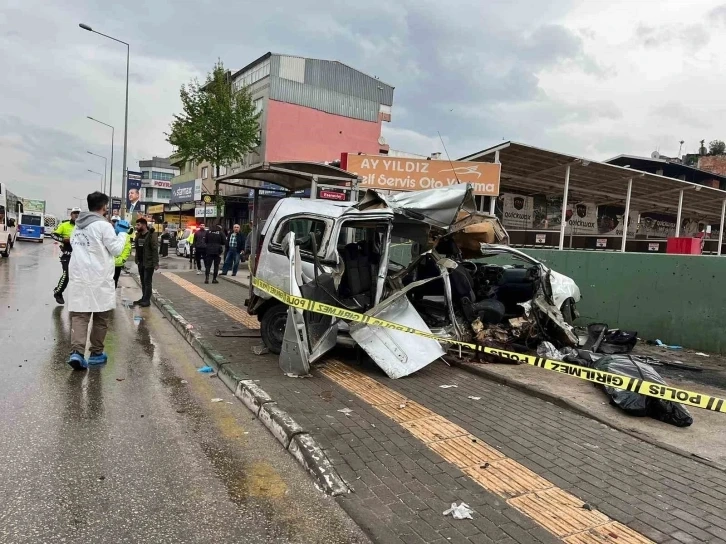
291, 175
532, 170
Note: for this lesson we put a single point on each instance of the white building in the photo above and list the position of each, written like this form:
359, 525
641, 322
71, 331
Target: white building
156, 180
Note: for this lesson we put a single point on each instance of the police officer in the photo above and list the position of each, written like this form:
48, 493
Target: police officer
62, 234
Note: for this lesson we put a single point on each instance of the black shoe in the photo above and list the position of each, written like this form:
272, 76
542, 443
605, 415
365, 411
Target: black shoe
144, 304
138, 302
59, 298
206, 280
224, 274
215, 281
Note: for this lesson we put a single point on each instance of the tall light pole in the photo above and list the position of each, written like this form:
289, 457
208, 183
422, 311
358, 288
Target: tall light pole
126, 113
110, 178
94, 172
104, 168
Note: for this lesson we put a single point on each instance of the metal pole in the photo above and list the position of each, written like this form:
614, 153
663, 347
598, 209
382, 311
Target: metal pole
626, 217
720, 233
680, 211
113, 130
126, 112
563, 221
493, 199
110, 182
126, 132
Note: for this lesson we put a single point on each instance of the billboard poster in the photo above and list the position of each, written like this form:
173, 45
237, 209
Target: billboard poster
31, 205
133, 196
610, 220
657, 225
517, 211
581, 218
407, 174
188, 191
115, 206
547, 212
691, 227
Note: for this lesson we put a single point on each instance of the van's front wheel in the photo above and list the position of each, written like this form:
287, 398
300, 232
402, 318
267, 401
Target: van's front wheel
272, 327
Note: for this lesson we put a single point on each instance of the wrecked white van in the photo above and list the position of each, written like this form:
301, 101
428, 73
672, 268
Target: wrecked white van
409, 259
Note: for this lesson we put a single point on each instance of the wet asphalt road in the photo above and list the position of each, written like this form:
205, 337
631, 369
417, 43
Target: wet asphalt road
130, 452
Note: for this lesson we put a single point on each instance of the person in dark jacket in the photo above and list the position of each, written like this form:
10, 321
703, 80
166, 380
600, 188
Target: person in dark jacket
147, 258
214, 243
235, 246
200, 247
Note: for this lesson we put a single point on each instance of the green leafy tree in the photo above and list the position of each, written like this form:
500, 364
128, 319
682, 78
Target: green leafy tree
217, 125
716, 147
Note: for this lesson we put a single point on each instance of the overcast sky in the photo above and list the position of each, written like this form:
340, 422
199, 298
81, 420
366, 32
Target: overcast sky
589, 78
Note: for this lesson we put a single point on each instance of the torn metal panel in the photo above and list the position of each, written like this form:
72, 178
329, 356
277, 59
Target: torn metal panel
295, 353
397, 353
437, 207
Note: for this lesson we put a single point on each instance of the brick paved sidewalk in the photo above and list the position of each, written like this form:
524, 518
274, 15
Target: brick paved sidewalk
401, 486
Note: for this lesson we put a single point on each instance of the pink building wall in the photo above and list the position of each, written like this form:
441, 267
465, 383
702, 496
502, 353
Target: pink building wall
298, 133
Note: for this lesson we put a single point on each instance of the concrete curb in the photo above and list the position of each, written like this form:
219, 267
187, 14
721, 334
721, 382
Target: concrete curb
568, 404
235, 282
301, 445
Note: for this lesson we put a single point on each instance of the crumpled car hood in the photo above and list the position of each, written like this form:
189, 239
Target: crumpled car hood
437, 207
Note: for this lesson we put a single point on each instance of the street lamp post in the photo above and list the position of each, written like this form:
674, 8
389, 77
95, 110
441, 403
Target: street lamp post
126, 113
104, 168
110, 178
99, 173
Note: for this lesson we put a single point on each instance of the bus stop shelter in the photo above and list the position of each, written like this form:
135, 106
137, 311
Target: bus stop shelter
290, 177
533, 170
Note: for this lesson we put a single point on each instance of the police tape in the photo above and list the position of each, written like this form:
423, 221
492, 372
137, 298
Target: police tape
635, 385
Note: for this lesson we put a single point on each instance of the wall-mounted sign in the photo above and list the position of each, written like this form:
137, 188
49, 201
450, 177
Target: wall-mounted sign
210, 211
327, 194
188, 191
157, 208
653, 246
601, 242
540, 238
402, 174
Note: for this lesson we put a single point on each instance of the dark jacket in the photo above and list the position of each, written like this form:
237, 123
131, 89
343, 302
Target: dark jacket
214, 240
148, 247
200, 239
240, 242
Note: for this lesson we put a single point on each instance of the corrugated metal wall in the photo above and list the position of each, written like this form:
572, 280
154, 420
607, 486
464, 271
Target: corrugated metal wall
327, 86
325, 100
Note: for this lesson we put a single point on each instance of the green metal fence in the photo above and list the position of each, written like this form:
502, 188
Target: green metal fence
679, 299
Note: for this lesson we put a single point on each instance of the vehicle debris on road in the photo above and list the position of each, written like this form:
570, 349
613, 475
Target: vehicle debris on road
461, 511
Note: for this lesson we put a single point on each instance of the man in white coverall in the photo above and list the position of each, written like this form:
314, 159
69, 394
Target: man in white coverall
91, 291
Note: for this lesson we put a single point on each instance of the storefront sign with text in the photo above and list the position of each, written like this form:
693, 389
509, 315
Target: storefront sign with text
399, 174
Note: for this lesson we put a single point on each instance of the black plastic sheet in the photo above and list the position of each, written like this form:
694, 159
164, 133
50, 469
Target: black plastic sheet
640, 405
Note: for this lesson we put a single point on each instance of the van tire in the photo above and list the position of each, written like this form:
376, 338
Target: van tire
272, 327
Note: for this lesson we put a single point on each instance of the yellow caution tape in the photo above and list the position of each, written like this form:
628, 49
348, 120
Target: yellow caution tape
635, 385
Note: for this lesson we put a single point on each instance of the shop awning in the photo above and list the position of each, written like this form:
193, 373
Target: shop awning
531, 170
290, 175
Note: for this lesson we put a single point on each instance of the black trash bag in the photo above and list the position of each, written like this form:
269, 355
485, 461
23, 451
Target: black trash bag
618, 341
600, 339
641, 405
